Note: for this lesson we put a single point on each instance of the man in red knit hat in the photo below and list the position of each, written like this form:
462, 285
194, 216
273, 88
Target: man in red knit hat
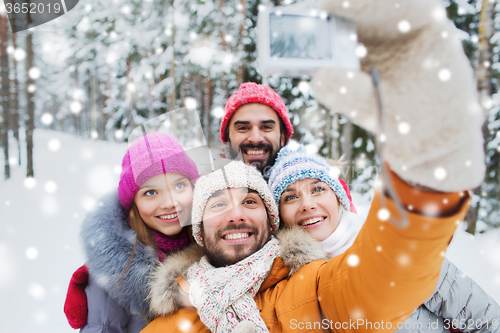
256, 123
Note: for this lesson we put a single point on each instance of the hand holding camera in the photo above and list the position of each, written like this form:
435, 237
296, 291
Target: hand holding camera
431, 119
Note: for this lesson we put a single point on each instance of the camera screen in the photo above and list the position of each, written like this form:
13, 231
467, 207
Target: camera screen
303, 37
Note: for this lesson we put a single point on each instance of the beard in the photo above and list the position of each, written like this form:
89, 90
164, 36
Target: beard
219, 255
262, 165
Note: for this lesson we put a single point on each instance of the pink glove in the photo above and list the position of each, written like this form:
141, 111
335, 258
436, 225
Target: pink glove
75, 306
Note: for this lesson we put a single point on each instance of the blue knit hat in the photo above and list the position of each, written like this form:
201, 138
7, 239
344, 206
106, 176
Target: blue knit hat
294, 164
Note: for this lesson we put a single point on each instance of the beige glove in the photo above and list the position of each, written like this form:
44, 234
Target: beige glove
431, 115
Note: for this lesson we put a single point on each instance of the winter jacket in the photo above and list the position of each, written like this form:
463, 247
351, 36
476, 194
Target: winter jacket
457, 297
106, 315
360, 290
108, 241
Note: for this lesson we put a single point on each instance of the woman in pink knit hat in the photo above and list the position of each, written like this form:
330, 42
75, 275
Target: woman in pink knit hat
132, 230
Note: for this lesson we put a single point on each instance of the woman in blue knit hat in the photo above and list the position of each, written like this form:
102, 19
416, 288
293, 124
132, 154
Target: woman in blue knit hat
310, 195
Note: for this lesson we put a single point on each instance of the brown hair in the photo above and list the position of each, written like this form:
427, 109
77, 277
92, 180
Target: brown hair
144, 235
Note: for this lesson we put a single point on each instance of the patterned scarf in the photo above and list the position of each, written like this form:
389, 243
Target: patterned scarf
224, 296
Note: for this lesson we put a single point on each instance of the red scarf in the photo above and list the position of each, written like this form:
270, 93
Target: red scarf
166, 245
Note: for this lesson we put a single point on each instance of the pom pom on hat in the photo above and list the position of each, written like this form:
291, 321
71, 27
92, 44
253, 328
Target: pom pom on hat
233, 175
294, 164
152, 155
251, 92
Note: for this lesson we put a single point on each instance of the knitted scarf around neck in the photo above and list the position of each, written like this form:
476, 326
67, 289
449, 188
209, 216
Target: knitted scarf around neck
224, 296
167, 245
344, 235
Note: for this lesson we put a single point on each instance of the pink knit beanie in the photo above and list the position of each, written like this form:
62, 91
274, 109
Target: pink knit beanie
251, 92
152, 155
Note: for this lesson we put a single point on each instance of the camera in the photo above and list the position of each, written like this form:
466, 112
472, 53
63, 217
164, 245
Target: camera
298, 40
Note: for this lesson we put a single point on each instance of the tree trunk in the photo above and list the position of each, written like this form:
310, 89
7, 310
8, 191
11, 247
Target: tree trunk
208, 106
172, 95
14, 105
30, 105
335, 148
347, 150
484, 76
240, 75
129, 95
4, 68
183, 89
222, 34
94, 134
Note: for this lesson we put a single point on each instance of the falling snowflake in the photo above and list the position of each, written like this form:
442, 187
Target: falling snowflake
190, 103
218, 112
76, 107
126, 10
118, 134
29, 183
34, 73
88, 203
440, 173
50, 186
383, 214
19, 54
444, 74
404, 259
404, 127
47, 119
404, 26
184, 325
353, 260
31, 253
304, 87
36, 291
54, 144
361, 51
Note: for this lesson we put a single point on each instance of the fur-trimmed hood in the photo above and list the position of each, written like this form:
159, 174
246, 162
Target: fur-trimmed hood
108, 242
297, 249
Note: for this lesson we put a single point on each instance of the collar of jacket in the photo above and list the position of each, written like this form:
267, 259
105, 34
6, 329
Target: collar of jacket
297, 249
108, 242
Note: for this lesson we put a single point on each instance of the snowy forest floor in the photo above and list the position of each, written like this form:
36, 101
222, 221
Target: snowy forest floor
40, 222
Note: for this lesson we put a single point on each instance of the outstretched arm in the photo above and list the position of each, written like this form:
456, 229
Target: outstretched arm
390, 271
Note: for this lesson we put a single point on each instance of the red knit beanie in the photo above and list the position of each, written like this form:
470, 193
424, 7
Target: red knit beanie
251, 92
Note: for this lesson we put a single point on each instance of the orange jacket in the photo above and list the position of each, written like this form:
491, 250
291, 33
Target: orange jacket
376, 284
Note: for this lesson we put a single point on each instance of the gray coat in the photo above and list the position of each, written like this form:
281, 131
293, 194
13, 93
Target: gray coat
108, 241
459, 299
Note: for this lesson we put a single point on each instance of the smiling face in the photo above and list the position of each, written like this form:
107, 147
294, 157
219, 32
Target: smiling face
255, 129
235, 225
312, 205
164, 202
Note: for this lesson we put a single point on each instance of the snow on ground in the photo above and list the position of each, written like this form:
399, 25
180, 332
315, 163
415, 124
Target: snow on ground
39, 226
